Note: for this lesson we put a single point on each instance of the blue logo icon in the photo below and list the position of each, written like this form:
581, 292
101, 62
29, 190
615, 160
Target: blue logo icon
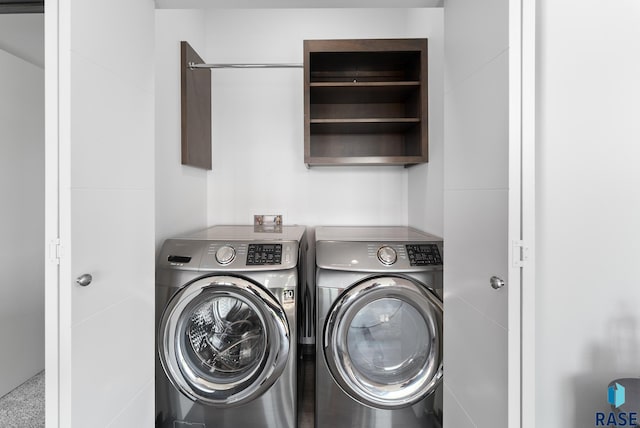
616, 395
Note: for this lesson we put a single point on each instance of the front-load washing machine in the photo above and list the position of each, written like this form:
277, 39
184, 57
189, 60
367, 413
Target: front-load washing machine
379, 328
227, 320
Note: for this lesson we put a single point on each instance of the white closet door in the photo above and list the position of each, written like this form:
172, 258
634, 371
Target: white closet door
482, 215
104, 108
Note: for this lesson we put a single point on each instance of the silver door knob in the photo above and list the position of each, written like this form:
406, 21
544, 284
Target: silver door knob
496, 283
84, 280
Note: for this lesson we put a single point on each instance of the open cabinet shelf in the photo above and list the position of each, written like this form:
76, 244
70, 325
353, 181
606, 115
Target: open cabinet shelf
366, 101
362, 126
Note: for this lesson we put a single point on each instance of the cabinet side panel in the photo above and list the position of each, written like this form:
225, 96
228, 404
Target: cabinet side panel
195, 110
307, 101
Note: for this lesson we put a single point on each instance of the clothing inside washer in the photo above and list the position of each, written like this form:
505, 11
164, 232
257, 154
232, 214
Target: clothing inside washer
227, 336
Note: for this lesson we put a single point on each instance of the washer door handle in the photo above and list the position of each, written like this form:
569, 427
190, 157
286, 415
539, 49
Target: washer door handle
84, 279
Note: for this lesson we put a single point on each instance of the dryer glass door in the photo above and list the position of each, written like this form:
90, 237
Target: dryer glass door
382, 342
223, 340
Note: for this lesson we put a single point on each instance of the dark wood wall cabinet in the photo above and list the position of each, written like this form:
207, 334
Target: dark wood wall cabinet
365, 102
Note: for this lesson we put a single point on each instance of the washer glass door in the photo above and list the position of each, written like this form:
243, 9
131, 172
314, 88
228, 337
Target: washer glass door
382, 342
223, 340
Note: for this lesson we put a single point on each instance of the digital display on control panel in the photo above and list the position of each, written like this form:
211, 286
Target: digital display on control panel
424, 255
264, 254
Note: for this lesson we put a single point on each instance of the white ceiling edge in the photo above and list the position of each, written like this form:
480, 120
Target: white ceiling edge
22, 35
294, 4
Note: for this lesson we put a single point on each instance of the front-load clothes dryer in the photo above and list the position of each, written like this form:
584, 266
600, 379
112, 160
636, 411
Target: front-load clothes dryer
227, 320
379, 328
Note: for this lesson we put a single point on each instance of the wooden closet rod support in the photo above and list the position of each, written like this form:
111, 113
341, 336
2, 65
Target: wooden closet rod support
193, 65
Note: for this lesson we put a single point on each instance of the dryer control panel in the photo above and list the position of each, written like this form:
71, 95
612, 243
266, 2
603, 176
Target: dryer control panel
379, 256
264, 254
424, 255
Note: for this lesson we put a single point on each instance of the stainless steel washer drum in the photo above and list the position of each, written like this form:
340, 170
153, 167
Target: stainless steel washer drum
223, 340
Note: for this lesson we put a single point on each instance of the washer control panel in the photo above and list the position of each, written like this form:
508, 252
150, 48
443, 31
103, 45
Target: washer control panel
250, 255
387, 255
424, 255
264, 254
225, 254
228, 255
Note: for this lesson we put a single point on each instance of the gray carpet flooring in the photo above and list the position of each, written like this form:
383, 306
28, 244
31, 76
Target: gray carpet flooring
24, 406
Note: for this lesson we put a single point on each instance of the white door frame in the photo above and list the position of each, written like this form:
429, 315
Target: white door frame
57, 206
521, 335
528, 185
52, 185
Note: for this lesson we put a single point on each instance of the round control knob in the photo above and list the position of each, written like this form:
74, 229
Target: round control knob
225, 254
387, 255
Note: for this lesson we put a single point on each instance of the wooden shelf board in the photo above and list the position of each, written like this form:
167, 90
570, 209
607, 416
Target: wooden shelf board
369, 120
363, 160
367, 85
363, 93
362, 126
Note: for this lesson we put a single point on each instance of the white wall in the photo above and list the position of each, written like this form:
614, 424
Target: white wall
181, 191
258, 121
476, 192
21, 220
426, 181
23, 36
588, 206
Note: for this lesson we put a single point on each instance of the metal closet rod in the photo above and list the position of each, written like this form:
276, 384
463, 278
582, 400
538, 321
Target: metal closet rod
193, 65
